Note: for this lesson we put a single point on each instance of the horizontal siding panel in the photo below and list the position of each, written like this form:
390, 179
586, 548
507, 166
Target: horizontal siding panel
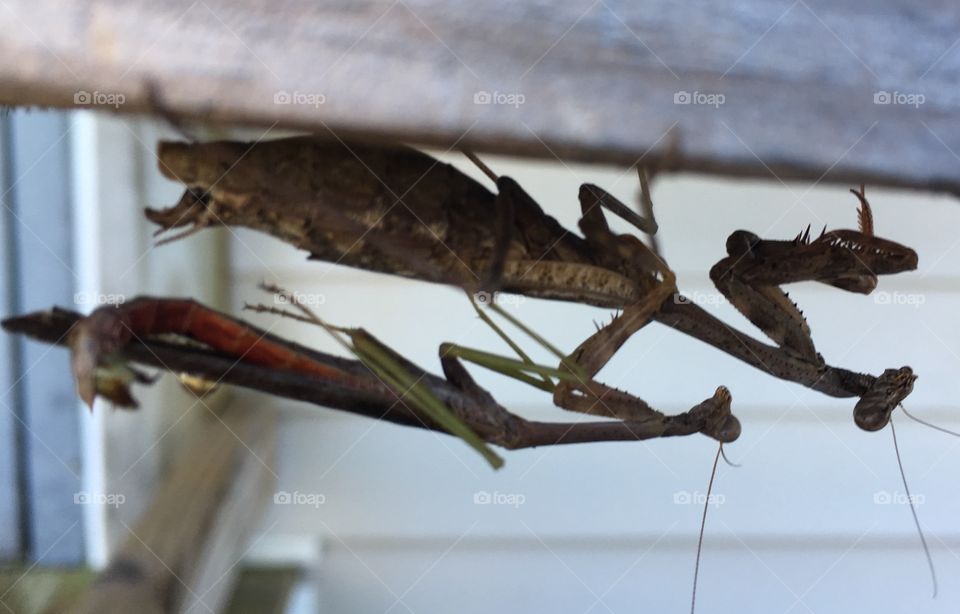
810, 479
651, 577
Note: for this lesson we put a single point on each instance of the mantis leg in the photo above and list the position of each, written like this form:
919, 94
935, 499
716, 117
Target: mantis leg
657, 282
576, 389
767, 306
504, 202
595, 195
712, 417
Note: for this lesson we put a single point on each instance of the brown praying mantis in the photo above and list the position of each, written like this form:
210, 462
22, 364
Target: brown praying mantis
400, 211
380, 384
396, 210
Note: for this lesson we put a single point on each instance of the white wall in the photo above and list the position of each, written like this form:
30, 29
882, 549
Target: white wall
114, 176
798, 528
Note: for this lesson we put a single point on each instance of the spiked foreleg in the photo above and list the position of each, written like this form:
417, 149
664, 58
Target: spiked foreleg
768, 307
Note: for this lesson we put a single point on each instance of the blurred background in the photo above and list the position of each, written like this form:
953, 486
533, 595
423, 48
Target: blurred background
362, 516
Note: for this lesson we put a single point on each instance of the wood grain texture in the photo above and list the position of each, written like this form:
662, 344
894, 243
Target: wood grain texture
591, 80
165, 564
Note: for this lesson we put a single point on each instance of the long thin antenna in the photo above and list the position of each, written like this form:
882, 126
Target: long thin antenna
913, 510
925, 423
703, 524
727, 460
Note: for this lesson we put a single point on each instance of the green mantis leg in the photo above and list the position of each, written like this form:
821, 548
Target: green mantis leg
576, 390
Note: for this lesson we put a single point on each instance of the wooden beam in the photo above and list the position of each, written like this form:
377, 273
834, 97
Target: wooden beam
177, 555
41, 590
809, 90
264, 590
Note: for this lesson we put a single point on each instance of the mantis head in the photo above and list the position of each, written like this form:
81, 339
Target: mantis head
873, 410
93, 341
719, 422
860, 255
851, 260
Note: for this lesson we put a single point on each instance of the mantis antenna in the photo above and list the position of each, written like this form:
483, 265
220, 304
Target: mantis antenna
703, 524
913, 511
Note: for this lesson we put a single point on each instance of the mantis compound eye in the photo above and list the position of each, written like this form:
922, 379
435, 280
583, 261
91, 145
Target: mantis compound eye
741, 243
873, 410
199, 195
729, 430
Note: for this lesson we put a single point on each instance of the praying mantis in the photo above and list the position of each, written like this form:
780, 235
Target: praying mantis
396, 210
399, 211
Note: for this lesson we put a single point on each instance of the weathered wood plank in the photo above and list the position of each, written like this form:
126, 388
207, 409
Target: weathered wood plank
598, 78
167, 562
263, 590
216, 570
41, 590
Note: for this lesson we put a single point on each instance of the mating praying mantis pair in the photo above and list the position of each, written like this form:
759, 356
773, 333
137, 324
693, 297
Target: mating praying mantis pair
396, 210
400, 211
